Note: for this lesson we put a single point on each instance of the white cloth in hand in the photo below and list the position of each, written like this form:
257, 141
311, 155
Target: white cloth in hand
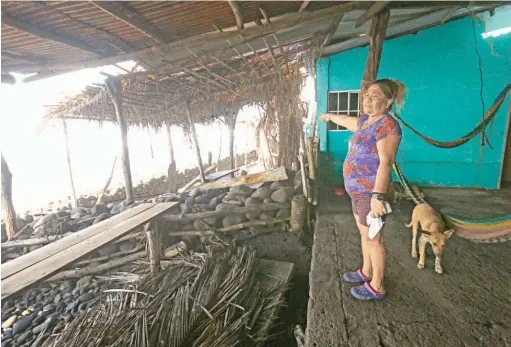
376, 223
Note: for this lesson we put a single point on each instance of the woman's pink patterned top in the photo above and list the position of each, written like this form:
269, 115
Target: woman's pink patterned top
362, 161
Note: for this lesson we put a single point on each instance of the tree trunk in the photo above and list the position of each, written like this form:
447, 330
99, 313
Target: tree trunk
196, 142
375, 30
113, 86
68, 156
172, 170
7, 205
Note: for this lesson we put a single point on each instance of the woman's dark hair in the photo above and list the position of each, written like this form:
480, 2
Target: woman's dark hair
393, 90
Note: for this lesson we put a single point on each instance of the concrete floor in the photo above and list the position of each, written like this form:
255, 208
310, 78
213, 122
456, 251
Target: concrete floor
470, 305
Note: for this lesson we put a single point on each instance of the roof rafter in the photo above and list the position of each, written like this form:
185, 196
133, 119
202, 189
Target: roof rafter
50, 34
129, 16
303, 7
237, 13
375, 8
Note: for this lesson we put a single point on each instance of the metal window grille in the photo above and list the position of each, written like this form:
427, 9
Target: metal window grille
342, 102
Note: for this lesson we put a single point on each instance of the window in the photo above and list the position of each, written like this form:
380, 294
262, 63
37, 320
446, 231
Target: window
342, 102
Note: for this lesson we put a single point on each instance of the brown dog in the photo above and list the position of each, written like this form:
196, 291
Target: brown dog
433, 231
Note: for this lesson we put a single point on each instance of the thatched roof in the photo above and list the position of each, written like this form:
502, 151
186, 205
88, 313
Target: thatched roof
152, 99
217, 54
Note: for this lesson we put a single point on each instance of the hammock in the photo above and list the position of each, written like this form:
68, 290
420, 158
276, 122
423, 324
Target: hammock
495, 230
487, 118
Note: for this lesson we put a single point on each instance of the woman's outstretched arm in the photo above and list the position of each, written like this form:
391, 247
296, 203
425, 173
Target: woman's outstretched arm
346, 121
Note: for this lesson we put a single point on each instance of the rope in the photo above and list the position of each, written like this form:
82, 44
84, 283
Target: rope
487, 118
474, 230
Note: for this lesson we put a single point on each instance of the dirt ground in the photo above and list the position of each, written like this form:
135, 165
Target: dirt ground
293, 247
468, 305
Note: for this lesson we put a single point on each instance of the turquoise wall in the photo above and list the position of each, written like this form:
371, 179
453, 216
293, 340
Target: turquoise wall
439, 66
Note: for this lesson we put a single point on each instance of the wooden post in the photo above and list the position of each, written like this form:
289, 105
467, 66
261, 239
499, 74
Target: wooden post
172, 170
230, 119
68, 156
195, 141
376, 31
113, 86
107, 182
7, 205
154, 245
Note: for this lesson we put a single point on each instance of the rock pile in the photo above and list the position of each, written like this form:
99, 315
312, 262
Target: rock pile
235, 197
46, 310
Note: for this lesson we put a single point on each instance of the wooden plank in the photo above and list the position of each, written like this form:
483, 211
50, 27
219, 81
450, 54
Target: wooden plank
278, 174
42, 253
51, 265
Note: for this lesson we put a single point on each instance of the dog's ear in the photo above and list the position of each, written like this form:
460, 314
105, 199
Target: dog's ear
448, 233
425, 232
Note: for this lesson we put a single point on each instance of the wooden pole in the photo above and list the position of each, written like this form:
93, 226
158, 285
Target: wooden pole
113, 86
107, 182
230, 119
172, 170
376, 31
154, 245
68, 156
7, 205
195, 141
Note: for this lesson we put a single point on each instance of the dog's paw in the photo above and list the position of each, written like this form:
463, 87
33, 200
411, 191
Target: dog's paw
414, 255
439, 270
420, 266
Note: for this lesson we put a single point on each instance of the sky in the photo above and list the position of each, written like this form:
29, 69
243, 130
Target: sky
38, 160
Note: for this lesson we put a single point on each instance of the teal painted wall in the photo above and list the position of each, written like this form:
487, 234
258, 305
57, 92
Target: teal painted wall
439, 67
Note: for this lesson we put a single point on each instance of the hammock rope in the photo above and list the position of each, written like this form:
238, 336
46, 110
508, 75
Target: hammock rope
487, 118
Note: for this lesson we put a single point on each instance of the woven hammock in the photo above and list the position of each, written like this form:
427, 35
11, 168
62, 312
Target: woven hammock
496, 230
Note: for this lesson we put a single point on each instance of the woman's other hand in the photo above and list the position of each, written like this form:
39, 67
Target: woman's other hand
378, 208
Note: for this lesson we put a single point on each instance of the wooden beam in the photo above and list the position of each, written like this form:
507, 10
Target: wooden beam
195, 142
27, 58
215, 40
121, 11
53, 35
375, 8
303, 7
68, 158
333, 29
237, 13
110, 38
113, 86
376, 31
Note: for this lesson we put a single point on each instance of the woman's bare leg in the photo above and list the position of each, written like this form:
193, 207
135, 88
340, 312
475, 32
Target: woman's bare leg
367, 268
373, 254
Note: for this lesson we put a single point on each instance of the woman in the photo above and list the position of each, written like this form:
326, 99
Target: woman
367, 176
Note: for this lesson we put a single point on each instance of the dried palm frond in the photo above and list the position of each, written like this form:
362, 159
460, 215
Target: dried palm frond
198, 300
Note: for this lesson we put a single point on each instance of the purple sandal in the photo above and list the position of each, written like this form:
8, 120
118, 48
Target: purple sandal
356, 277
366, 292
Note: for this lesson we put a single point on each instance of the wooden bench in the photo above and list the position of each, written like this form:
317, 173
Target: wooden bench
35, 266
